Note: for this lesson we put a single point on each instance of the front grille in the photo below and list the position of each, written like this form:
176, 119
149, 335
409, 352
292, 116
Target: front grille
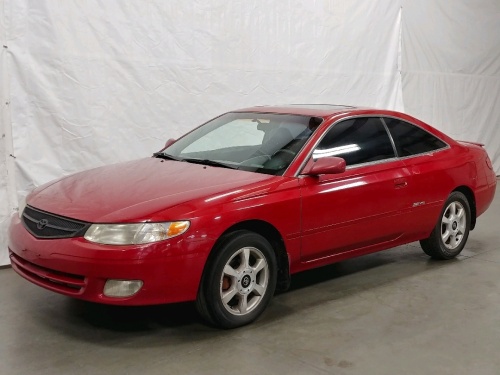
42, 224
61, 282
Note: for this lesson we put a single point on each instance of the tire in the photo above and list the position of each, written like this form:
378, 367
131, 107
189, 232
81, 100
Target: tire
239, 280
450, 234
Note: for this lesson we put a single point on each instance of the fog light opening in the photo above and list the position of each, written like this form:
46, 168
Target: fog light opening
122, 288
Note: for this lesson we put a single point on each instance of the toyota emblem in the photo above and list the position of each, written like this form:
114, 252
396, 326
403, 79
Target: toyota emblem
42, 224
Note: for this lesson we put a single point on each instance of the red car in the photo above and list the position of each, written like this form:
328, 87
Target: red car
224, 215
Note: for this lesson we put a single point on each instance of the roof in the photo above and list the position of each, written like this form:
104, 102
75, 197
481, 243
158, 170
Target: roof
317, 110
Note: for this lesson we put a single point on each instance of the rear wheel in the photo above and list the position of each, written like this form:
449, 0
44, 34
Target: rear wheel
239, 281
452, 230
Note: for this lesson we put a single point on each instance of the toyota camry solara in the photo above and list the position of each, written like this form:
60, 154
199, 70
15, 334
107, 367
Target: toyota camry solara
225, 214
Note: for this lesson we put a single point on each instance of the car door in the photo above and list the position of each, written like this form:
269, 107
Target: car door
364, 205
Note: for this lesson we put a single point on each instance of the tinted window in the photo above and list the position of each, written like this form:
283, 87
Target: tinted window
360, 140
410, 139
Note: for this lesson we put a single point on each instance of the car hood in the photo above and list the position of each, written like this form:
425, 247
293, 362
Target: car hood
142, 190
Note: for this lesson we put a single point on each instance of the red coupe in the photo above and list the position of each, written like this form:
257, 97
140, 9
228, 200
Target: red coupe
225, 214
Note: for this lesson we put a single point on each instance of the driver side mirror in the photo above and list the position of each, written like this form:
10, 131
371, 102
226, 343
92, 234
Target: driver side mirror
326, 165
169, 142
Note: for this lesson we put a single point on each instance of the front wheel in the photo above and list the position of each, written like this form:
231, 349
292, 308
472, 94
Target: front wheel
239, 280
452, 230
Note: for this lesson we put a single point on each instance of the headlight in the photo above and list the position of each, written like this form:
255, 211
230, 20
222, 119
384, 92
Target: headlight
134, 234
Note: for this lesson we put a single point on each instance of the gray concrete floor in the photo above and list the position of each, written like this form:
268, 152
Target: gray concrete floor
395, 312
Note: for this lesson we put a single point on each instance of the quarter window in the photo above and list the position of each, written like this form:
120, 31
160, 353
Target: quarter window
357, 141
410, 139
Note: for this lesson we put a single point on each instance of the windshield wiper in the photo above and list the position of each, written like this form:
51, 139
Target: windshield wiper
213, 163
162, 155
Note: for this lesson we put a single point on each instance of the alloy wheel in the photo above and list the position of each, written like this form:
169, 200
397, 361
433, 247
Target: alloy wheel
244, 281
453, 225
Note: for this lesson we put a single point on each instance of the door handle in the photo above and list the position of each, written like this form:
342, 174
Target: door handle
400, 183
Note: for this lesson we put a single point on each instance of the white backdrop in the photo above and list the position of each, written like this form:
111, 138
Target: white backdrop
94, 82
451, 68
8, 199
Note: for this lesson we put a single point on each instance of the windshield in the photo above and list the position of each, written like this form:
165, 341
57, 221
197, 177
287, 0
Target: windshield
257, 142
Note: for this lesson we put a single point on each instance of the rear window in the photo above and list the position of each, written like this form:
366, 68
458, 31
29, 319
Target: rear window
410, 139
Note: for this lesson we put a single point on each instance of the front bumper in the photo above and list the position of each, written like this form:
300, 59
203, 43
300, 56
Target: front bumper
170, 270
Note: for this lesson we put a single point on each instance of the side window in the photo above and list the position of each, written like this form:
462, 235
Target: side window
410, 139
359, 140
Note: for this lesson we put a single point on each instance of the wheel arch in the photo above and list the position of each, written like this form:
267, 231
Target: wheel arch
271, 234
469, 194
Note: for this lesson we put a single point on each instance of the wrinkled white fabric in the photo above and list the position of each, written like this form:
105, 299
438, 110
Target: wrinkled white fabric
7, 180
90, 83
95, 82
451, 68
